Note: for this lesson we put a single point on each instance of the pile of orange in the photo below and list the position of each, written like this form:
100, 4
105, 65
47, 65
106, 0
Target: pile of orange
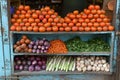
46, 20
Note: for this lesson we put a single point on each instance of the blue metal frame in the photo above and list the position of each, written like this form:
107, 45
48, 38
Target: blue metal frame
6, 56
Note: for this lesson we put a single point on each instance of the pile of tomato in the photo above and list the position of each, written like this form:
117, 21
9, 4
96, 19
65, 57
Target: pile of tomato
47, 20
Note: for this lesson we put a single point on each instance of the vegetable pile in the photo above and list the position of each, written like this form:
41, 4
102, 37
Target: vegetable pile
93, 45
60, 63
57, 46
29, 63
21, 45
92, 64
39, 46
46, 19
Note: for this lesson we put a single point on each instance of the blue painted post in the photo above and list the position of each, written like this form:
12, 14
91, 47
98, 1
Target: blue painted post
2, 73
6, 41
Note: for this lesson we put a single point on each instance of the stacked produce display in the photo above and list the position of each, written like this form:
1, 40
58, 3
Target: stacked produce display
91, 19
47, 20
60, 47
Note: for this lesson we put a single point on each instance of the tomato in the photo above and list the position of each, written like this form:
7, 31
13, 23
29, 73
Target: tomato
37, 20
18, 28
99, 12
72, 16
93, 20
12, 28
97, 7
74, 21
55, 28
47, 25
105, 28
87, 20
64, 24
15, 16
86, 11
38, 12
27, 15
61, 29
34, 15
87, 29
93, 28
67, 29
102, 11
93, 11
21, 7
16, 24
30, 20
96, 24
13, 20
50, 20
33, 24
90, 16
110, 28
99, 20
48, 29
81, 20
23, 12
53, 24
96, 16
24, 28
47, 8
78, 16
44, 20
51, 12
21, 16
42, 29
47, 16
84, 24
35, 29
59, 25
17, 12
41, 17
40, 24
27, 24
56, 20
102, 24
74, 28
78, 24
75, 12
91, 7
90, 24
84, 16
29, 28
71, 24
44, 13
67, 20
22, 24
81, 29
99, 28
25, 20
102, 16
26, 8
105, 20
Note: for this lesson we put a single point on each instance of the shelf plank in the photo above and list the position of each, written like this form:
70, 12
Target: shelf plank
22, 32
71, 53
57, 72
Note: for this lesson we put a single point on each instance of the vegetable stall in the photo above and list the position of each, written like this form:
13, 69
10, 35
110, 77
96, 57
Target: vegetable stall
47, 37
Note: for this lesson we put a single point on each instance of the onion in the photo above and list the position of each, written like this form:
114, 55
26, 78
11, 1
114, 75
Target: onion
39, 63
38, 58
37, 42
37, 68
24, 62
35, 46
43, 67
18, 62
46, 47
45, 51
32, 42
37, 51
31, 68
34, 62
30, 46
16, 67
34, 51
43, 47
39, 47
29, 62
32, 58
41, 51
21, 67
43, 62
46, 43
26, 67
41, 42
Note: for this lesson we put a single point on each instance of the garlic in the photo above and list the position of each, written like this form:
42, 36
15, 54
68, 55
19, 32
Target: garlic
89, 68
105, 65
99, 65
91, 63
81, 62
102, 69
103, 61
84, 69
99, 61
78, 58
97, 58
107, 69
82, 65
97, 68
79, 69
93, 68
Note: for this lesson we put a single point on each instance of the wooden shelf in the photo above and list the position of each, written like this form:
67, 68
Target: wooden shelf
102, 32
58, 72
71, 53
